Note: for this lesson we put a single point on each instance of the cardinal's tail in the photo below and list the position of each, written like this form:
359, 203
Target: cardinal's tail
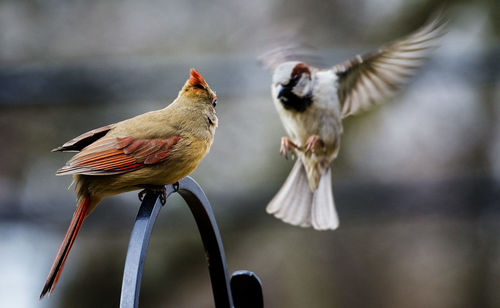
74, 227
297, 205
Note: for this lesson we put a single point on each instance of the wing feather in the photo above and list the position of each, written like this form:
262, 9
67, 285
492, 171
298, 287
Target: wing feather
368, 79
115, 155
80, 142
288, 49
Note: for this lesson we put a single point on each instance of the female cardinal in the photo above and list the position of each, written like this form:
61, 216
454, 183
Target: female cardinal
312, 102
145, 152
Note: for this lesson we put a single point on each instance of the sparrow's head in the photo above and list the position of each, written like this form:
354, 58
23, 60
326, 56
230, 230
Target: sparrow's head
292, 85
197, 89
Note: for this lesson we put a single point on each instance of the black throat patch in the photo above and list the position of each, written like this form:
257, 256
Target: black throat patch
290, 100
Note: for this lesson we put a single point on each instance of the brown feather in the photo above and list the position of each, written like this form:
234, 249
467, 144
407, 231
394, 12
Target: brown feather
391, 65
115, 155
80, 142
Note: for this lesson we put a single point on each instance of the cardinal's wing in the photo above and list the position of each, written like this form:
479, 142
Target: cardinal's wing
368, 79
115, 155
78, 143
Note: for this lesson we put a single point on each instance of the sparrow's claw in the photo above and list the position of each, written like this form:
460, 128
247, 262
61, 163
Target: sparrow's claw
311, 143
160, 189
286, 146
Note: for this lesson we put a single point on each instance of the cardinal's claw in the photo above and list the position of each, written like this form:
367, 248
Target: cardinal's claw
141, 194
160, 190
311, 143
163, 196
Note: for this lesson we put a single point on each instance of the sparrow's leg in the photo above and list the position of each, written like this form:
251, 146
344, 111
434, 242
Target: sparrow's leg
286, 146
160, 189
312, 142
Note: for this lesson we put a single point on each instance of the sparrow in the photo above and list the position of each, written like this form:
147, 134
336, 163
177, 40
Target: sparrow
145, 152
312, 102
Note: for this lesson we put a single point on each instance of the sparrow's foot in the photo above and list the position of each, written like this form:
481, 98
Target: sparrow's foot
175, 186
159, 189
287, 146
312, 142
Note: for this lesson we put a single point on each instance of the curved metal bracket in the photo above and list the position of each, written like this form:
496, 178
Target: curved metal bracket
248, 285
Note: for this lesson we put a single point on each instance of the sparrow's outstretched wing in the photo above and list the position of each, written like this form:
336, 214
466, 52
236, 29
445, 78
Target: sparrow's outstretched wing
115, 155
289, 51
286, 45
368, 79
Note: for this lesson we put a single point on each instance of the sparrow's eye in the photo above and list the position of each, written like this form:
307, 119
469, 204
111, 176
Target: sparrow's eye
214, 102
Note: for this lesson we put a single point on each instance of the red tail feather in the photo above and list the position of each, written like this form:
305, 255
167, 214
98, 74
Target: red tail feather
58, 265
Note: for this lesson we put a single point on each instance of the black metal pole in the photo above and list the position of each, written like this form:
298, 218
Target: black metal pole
137, 248
214, 251
248, 285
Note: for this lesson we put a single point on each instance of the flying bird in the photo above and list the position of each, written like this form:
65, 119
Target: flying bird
312, 102
145, 152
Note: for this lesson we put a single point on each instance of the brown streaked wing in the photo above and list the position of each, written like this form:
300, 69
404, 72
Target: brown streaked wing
115, 155
368, 79
78, 143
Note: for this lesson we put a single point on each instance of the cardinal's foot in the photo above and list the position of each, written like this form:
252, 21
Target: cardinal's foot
287, 146
160, 189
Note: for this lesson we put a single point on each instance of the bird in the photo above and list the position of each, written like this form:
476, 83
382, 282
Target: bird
312, 103
144, 152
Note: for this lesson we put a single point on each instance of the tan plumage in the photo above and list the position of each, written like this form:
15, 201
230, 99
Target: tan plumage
312, 102
153, 149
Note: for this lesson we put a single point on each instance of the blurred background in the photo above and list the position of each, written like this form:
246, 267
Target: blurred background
416, 182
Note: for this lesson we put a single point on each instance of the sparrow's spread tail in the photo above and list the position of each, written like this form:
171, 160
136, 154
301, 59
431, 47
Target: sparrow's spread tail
297, 205
74, 227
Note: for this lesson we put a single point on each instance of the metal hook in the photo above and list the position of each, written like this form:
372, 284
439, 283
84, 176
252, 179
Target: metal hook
207, 226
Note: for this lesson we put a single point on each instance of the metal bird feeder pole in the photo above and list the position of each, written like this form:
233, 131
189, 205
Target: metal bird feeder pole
244, 290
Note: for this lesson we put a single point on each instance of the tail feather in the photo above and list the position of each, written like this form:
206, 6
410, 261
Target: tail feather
291, 203
67, 243
324, 215
297, 205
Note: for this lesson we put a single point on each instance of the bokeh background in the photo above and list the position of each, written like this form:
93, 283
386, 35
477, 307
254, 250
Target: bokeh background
416, 182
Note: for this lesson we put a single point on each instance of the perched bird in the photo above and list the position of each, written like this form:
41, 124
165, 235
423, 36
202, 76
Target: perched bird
312, 103
145, 152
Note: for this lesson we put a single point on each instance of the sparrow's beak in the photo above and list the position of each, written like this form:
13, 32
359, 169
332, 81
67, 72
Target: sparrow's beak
280, 89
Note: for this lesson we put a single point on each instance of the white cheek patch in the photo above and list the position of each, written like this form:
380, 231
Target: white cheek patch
303, 87
281, 77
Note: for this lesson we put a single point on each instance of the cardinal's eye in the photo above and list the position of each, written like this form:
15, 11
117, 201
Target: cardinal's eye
199, 86
214, 103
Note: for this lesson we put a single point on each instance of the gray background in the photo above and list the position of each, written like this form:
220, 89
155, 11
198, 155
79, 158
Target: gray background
415, 183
